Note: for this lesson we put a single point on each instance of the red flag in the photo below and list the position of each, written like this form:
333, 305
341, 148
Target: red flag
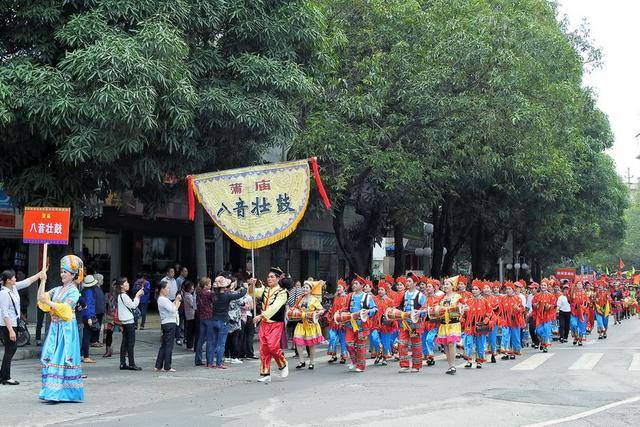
621, 264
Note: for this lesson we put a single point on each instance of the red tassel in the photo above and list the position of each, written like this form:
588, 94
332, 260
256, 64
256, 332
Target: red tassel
191, 198
321, 190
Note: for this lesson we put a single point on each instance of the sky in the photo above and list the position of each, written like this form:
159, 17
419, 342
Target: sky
615, 29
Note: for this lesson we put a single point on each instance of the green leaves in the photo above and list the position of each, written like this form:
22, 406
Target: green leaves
153, 86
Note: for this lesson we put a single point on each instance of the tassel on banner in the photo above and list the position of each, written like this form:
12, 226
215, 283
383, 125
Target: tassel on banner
191, 198
321, 190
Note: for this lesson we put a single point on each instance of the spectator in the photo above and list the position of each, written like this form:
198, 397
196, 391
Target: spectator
222, 299
126, 309
248, 328
142, 283
204, 302
233, 343
9, 314
180, 280
88, 316
189, 313
173, 291
100, 309
111, 319
168, 315
564, 314
184, 273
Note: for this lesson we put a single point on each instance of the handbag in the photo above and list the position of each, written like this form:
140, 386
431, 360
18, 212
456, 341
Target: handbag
95, 323
135, 312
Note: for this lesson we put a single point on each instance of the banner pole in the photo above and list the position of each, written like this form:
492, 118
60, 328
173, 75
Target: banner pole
253, 275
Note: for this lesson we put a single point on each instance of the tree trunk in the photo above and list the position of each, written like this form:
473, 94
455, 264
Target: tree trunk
398, 253
476, 244
356, 247
439, 220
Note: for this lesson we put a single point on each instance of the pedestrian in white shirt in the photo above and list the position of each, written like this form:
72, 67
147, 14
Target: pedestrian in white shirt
126, 308
9, 314
168, 311
564, 313
172, 286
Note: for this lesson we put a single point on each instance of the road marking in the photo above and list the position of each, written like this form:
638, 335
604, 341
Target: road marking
586, 362
585, 413
635, 362
533, 362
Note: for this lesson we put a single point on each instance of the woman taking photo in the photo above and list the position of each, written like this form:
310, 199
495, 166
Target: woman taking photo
9, 313
60, 360
126, 308
204, 303
168, 316
308, 332
222, 298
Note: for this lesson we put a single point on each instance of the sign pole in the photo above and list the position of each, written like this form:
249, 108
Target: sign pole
44, 259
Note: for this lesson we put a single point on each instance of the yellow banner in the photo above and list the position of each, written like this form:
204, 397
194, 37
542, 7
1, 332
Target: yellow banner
256, 206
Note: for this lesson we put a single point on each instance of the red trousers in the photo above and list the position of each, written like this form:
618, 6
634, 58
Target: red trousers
408, 339
270, 335
357, 346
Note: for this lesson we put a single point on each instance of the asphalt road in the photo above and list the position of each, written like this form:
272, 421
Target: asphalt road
598, 384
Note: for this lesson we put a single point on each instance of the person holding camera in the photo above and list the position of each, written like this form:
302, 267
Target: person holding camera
126, 310
168, 311
9, 314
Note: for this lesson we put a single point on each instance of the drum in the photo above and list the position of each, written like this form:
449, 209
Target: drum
311, 317
341, 317
394, 314
294, 314
362, 315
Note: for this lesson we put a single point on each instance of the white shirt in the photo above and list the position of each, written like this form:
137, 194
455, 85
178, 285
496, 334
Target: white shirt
126, 307
9, 297
167, 310
173, 287
523, 298
563, 303
529, 304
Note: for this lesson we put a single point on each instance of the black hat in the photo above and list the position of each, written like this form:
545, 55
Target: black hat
277, 271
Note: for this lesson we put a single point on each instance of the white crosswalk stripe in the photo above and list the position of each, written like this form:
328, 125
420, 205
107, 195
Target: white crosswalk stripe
586, 361
533, 362
635, 362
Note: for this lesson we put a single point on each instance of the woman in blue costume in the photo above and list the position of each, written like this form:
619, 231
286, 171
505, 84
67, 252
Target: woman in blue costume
61, 368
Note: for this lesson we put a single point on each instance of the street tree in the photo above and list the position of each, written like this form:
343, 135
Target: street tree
112, 96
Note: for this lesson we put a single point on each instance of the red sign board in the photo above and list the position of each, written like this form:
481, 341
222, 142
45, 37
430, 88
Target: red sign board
46, 225
566, 273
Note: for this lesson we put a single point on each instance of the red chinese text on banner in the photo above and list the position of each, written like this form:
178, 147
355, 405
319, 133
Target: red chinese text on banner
46, 225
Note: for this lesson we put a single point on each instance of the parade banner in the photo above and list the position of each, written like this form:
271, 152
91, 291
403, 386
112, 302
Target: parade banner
255, 206
46, 225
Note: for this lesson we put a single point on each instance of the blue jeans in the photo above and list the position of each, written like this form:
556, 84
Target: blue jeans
335, 336
143, 313
428, 342
218, 339
477, 343
203, 336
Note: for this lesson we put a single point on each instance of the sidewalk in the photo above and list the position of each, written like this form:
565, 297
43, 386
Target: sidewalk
150, 336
